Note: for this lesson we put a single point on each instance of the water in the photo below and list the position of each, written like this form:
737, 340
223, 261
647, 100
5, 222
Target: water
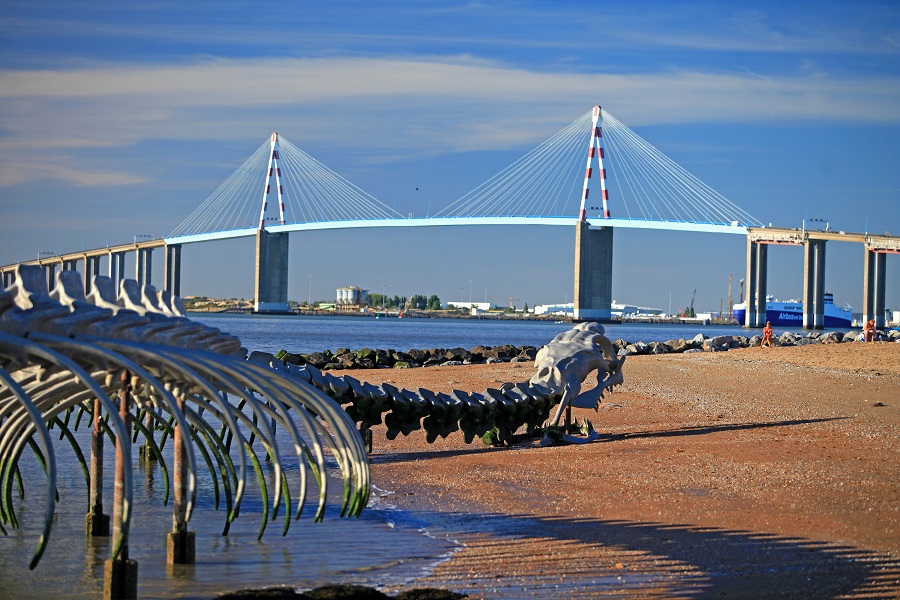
382, 547
302, 335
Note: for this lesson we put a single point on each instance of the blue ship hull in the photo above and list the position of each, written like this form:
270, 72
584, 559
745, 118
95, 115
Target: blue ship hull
790, 314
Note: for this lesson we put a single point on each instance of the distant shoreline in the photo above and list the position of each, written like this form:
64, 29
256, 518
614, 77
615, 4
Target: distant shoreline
479, 317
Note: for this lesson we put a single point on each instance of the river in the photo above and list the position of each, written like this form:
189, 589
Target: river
305, 334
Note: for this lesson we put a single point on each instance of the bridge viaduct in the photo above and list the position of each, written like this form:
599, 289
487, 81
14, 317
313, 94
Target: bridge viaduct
592, 269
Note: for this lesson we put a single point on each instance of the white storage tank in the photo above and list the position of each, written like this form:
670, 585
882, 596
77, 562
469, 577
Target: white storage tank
351, 295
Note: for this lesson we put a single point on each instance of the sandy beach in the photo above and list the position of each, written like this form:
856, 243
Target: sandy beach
750, 473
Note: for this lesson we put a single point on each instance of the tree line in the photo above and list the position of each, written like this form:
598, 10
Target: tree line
417, 301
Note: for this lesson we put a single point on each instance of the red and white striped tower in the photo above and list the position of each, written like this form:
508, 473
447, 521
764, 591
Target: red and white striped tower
595, 148
272, 168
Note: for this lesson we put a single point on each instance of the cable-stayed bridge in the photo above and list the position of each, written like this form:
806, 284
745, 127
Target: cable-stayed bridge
281, 188
595, 175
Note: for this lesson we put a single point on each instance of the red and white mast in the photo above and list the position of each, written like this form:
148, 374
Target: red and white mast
595, 148
272, 168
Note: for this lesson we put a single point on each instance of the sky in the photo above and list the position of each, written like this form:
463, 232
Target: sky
118, 119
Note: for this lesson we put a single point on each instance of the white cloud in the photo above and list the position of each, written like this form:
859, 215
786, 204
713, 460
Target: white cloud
396, 105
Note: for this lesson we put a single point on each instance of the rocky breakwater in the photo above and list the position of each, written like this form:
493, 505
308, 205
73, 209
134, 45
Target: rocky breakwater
344, 358
722, 343
367, 358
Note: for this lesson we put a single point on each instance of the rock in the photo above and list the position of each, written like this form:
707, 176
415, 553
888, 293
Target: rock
832, 337
679, 345
366, 353
318, 359
788, 339
658, 348
505, 351
345, 591
697, 341
263, 594
738, 341
429, 594
529, 352
719, 343
420, 356
457, 354
636, 348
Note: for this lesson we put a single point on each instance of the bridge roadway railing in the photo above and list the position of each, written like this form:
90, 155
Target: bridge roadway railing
758, 239
144, 248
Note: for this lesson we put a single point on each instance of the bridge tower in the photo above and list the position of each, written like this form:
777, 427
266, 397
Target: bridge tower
271, 289
593, 245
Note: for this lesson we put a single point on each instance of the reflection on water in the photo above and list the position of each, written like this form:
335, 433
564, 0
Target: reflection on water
382, 547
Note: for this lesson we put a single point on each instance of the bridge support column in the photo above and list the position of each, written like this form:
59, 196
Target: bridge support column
91, 268
50, 275
70, 265
143, 266
271, 271
814, 284
593, 272
117, 268
9, 277
874, 285
172, 281
757, 282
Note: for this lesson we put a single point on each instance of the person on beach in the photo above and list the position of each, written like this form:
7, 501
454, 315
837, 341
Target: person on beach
869, 331
767, 336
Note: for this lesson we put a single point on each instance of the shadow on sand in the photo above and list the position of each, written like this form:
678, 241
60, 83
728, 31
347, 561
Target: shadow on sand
638, 558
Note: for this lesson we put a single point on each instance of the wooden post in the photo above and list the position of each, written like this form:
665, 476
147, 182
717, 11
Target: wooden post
120, 574
180, 543
97, 523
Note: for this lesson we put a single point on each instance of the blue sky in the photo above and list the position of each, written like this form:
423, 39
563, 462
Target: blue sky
118, 119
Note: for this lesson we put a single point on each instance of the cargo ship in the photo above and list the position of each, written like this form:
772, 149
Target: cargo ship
789, 313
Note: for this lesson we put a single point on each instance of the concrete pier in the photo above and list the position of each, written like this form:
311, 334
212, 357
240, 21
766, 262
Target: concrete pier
593, 272
757, 282
117, 267
143, 266
91, 268
813, 242
814, 284
271, 271
172, 280
874, 284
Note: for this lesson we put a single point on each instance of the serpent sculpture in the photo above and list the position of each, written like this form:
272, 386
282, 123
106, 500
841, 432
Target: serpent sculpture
495, 414
134, 364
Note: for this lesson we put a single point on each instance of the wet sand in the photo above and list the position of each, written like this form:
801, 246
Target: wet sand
751, 473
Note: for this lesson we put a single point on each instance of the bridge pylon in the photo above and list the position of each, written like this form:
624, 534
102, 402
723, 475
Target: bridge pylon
272, 169
595, 148
271, 289
593, 247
